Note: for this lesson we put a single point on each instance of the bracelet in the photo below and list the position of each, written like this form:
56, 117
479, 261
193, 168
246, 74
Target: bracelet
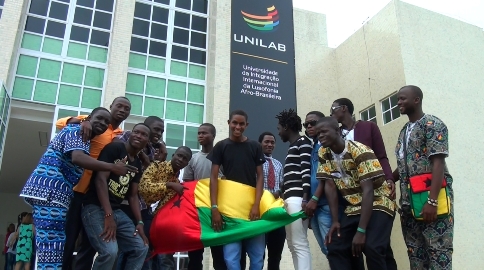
141, 222
432, 202
315, 198
108, 215
214, 206
363, 231
84, 120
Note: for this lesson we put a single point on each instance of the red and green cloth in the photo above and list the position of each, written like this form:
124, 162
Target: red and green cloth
184, 222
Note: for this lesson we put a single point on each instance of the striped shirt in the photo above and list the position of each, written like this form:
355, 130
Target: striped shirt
297, 169
278, 171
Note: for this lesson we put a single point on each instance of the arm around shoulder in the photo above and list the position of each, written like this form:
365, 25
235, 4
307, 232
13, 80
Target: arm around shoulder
83, 160
62, 123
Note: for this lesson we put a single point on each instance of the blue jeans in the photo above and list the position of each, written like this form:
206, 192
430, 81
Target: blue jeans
132, 246
158, 262
255, 248
321, 223
10, 261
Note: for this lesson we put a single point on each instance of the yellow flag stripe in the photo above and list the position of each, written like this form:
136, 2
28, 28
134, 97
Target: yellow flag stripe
235, 200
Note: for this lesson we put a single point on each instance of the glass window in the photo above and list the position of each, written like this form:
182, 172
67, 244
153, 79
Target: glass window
58, 82
167, 68
89, 23
390, 109
369, 114
148, 43
188, 29
182, 19
200, 6
178, 100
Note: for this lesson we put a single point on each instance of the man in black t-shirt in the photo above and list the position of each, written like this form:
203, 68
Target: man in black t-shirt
105, 224
242, 161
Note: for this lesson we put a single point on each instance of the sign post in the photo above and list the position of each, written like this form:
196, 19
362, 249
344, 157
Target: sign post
262, 71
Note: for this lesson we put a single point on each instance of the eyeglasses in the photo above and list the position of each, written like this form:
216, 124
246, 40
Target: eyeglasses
312, 123
331, 111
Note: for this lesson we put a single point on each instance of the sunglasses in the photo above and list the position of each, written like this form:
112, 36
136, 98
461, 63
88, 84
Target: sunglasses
335, 108
312, 123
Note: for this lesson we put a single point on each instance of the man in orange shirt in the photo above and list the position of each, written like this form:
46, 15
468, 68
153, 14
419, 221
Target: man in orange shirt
120, 110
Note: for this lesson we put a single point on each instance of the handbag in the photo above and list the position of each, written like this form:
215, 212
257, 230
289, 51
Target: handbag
419, 190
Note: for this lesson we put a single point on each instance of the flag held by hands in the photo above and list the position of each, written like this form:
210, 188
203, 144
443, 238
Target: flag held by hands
184, 222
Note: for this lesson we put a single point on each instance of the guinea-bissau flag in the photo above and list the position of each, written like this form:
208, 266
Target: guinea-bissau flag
184, 222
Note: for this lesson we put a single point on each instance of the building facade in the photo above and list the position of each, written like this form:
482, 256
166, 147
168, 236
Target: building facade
171, 58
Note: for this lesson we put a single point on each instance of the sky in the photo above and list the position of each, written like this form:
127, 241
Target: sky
344, 17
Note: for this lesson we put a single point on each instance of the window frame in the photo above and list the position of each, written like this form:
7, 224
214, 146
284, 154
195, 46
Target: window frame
172, 9
1, 13
167, 75
63, 58
388, 98
69, 23
367, 113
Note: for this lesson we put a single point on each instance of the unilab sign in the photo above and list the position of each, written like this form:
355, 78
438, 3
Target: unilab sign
262, 72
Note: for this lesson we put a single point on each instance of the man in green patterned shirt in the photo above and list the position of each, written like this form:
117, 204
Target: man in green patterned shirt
353, 169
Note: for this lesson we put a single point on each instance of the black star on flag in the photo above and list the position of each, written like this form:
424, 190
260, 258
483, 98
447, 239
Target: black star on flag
177, 203
428, 182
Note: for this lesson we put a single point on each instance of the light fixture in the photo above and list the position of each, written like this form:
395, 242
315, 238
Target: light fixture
43, 138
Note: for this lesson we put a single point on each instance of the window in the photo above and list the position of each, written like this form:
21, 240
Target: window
2, 2
63, 52
4, 115
77, 30
369, 114
170, 99
58, 82
167, 63
170, 41
390, 109
177, 135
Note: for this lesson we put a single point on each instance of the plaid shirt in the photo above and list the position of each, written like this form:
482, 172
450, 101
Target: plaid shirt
149, 151
278, 171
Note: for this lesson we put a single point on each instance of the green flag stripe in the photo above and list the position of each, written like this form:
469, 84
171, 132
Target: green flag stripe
238, 229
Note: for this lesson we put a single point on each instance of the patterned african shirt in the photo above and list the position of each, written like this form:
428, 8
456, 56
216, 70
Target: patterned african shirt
356, 164
426, 137
55, 176
152, 186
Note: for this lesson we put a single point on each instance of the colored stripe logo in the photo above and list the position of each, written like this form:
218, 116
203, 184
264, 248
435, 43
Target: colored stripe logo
263, 23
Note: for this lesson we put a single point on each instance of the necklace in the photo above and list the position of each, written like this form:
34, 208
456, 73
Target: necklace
349, 130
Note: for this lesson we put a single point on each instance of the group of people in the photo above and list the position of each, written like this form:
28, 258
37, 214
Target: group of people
101, 186
19, 248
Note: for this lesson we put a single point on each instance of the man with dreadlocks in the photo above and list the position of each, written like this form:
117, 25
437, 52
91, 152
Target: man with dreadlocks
297, 185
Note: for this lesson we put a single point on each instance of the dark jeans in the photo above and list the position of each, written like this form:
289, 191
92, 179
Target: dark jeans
196, 258
390, 259
86, 253
133, 246
377, 240
10, 260
275, 244
158, 262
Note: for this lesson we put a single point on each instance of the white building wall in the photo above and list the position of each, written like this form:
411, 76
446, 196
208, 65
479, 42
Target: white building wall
445, 57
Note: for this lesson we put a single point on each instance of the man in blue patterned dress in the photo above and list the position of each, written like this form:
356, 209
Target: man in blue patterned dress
49, 188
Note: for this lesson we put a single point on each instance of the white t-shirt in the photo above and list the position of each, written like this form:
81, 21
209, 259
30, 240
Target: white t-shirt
408, 132
350, 135
11, 248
